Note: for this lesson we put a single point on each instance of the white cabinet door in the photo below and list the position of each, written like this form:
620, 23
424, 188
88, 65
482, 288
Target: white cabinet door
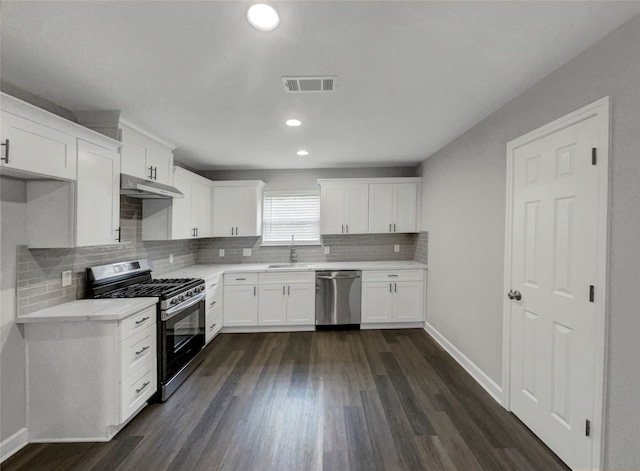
376, 302
381, 207
243, 211
301, 304
332, 212
357, 208
98, 195
236, 211
160, 159
144, 157
392, 207
272, 304
181, 227
35, 148
408, 301
405, 207
201, 209
222, 225
240, 306
135, 151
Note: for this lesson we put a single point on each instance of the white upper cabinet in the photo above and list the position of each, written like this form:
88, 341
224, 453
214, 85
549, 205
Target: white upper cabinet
369, 205
179, 218
344, 208
81, 213
145, 157
35, 142
393, 207
237, 208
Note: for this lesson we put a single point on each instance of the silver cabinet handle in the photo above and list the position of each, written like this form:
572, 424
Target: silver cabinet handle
240, 279
392, 276
6, 151
395, 287
212, 285
142, 320
212, 326
212, 303
119, 231
254, 290
288, 290
390, 291
143, 350
150, 172
347, 228
389, 227
231, 230
143, 386
237, 230
343, 228
283, 290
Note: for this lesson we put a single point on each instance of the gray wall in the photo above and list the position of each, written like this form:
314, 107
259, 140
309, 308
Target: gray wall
306, 179
13, 217
464, 209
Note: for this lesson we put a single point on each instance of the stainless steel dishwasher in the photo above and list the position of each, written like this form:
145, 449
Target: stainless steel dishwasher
338, 297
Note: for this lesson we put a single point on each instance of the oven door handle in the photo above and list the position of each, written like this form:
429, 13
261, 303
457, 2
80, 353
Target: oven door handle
169, 313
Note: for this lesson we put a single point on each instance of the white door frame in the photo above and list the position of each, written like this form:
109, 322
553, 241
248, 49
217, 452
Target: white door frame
599, 109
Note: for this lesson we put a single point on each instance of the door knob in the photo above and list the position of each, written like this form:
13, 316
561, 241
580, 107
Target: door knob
514, 295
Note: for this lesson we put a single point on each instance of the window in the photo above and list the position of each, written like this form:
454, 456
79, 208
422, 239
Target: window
288, 213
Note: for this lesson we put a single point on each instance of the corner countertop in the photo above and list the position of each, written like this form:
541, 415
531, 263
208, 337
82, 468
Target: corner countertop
211, 271
84, 310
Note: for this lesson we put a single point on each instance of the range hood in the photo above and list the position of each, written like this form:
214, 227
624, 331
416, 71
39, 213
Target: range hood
140, 188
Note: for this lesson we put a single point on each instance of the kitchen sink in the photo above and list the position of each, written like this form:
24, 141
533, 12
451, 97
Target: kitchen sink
289, 265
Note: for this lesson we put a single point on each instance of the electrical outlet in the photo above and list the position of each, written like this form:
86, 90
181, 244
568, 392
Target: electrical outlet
170, 258
327, 250
396, 248
246, 252
221, 252
66, 278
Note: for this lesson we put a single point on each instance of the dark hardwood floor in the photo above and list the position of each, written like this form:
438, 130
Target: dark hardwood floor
331, 400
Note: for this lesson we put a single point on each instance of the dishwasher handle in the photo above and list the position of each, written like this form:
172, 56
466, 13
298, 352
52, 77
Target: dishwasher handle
343, 277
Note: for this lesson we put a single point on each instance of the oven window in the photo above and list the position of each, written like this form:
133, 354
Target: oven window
182, 338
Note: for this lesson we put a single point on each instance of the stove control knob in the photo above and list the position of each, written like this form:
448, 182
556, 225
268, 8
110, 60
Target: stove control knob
180, 298
189, 293
174, 301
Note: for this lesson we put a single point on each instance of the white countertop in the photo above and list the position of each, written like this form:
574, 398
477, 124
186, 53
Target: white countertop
83, 310
209, 271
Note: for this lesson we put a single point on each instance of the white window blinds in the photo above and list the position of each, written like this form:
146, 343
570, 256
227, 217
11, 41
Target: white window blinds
291, 213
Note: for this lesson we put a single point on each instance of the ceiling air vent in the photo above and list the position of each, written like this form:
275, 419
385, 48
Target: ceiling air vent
310, 84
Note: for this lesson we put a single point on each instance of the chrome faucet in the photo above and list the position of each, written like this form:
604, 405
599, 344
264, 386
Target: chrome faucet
293, 256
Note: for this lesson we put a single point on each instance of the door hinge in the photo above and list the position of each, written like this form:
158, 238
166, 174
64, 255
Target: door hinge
592, 293
594, 156
587, 428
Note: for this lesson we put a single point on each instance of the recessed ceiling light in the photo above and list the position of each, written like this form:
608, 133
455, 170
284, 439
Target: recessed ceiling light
293, 122
263, 17
302, 152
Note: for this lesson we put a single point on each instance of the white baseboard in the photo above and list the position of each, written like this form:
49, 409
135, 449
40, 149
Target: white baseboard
474, 370
14, 443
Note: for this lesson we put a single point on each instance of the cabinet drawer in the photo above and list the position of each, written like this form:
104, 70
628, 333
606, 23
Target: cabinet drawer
235, 279
214, 284
392, 275
291, 277
136, 351
213, 301
137, 389
137, 323
213, 324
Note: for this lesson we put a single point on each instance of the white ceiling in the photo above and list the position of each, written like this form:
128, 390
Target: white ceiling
412, 75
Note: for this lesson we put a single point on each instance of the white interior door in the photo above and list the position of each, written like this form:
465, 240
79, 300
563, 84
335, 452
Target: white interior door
555, 242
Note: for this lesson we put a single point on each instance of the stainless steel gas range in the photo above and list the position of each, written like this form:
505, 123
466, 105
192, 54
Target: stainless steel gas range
180, 312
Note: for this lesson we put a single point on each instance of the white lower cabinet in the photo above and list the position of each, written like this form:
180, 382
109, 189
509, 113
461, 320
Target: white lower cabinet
213, 307
86, 379
286, 298
240, 300
392, 296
